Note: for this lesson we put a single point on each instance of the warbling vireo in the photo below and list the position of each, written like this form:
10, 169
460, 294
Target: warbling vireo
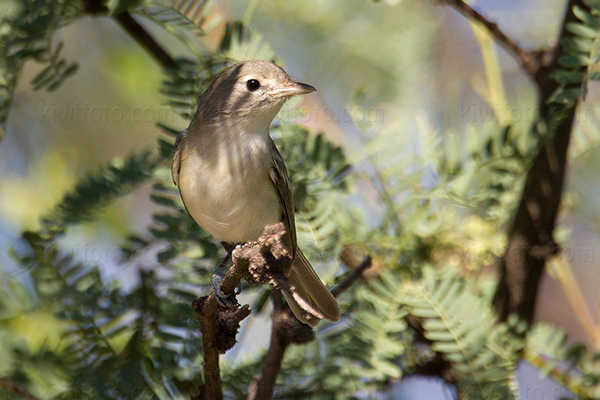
233, 181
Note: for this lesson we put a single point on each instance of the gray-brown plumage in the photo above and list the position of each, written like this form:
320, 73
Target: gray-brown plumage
232, 179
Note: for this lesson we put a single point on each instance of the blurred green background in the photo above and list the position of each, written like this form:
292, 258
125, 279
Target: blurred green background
417, 68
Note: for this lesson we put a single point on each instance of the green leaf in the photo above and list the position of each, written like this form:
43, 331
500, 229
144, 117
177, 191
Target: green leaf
565, 77
566, 96
577, 44
586, 17
582, 30
571, 61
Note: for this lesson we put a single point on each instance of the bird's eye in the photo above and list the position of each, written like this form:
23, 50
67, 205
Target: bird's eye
252, 85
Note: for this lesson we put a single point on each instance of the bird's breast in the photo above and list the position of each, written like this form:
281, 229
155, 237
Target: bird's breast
227, 191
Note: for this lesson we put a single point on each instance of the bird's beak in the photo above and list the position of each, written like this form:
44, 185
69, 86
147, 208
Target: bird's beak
293, 89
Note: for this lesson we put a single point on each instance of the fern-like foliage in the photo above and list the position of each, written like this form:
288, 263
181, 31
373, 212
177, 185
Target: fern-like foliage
242, 43
378, 324
486, 176
118, 344
461, 327
187, 20
377, 346
28, 36
582, 52
186, 14
363, 354
95, 311
94, 192
143, 342
573, 367
55, 73
187, 80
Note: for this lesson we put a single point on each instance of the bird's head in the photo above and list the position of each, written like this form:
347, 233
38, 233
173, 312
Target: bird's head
252, 91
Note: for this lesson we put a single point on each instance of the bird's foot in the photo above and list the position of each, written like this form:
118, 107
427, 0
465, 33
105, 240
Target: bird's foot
224, 300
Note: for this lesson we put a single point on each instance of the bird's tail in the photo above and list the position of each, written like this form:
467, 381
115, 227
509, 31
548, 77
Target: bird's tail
309, 299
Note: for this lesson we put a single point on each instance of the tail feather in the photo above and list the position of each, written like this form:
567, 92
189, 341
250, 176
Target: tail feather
310, 301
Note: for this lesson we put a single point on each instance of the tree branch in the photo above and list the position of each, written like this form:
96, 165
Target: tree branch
287, 330
265, 261
531, 239
351, 277
263, 385
207, 310
11, 387
529, 61
137, 31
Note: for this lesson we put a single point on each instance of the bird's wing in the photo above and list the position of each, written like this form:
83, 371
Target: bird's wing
176, 161
279, 177
309, 299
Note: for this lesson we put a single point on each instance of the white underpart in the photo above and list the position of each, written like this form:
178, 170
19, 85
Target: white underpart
231, 195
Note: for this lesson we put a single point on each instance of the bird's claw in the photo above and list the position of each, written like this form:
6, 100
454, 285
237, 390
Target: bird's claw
223, 300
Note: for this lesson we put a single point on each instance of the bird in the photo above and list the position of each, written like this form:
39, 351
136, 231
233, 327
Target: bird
232, 179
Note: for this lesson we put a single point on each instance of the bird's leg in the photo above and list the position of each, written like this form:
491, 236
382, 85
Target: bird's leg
238, 288
223, 299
